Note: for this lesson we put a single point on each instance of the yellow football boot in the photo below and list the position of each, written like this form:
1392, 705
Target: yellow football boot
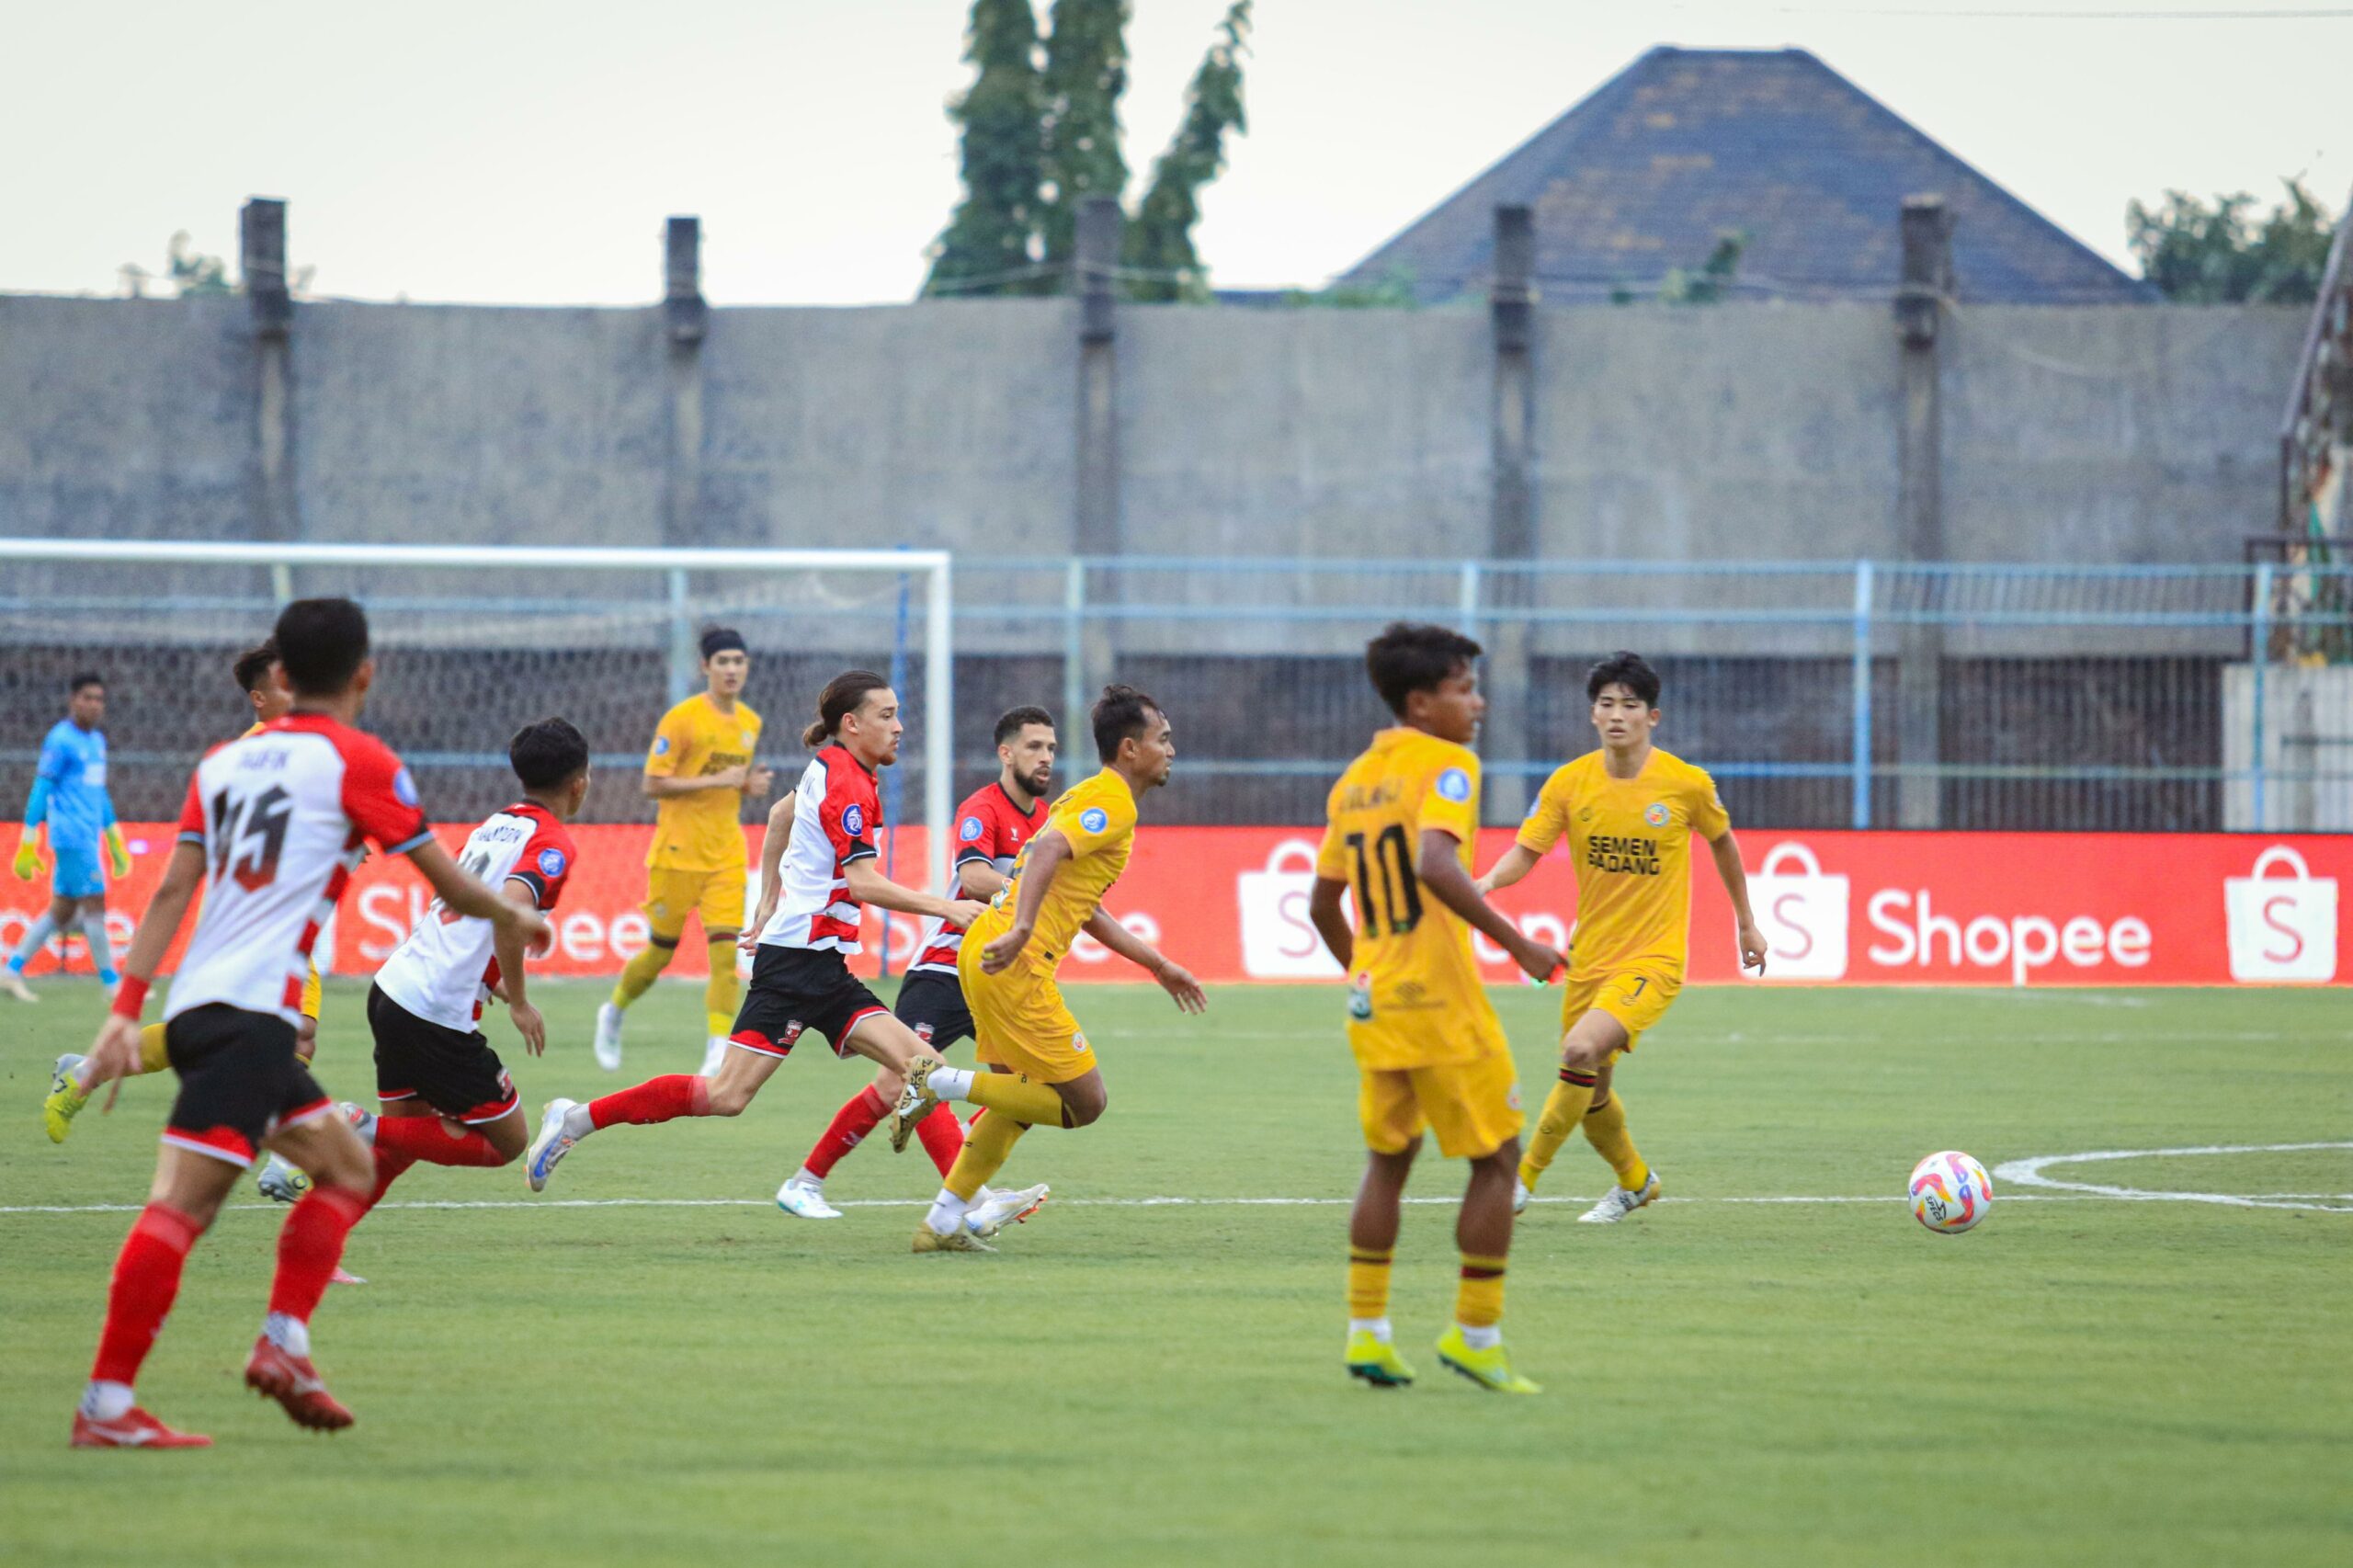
1377, 1361
957, 1240
65, 1099
1490, 1368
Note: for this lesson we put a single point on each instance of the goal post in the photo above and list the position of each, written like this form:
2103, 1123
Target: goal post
471, 642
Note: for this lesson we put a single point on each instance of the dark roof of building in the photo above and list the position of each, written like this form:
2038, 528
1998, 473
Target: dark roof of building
1686, 145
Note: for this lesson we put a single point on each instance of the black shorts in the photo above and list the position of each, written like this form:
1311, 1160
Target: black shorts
240, 1082
795, 989
456, 1073
933, 1006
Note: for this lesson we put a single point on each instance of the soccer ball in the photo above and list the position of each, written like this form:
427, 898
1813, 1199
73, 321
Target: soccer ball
1951, 1192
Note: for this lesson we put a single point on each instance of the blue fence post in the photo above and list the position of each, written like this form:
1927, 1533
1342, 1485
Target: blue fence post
684, 663
2259, 646
1466, 601
1073, 644
1862, 740
934, 711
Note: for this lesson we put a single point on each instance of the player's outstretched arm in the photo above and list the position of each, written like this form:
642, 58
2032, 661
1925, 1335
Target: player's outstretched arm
1331, 921
772, 845
1175, 978
1517, 861
1726, 851
869, 885
115, 1051
512, 946
1441, 872
467, 895
1047, 853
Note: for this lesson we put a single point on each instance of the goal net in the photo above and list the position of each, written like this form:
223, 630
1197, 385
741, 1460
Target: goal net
471, 643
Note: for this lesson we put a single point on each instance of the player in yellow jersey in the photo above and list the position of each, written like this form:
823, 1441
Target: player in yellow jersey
1630, 811
1041, 1068
257, 676
698, 773
1400, 824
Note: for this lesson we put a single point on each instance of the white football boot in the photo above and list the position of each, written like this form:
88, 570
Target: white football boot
1520, 1196
997, 1209
608, 1038
552, 1144
805, 1200
279, 1182
1618, 1203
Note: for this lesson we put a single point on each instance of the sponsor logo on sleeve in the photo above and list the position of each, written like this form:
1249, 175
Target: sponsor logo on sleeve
661, 745
1454, 784
971, 832
551, 862
404, 787
853, 819
1093, 820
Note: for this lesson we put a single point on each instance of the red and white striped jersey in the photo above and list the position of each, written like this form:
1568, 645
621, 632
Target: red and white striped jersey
989, 827
281, 814
444, 970
836, 819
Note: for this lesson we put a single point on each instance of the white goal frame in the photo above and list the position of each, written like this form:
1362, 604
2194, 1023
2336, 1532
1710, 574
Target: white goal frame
935, 567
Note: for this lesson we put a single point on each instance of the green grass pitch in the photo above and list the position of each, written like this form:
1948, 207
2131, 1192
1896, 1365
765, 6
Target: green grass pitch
2083, 1379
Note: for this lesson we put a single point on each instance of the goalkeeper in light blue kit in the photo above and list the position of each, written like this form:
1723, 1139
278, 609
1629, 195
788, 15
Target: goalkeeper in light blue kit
70, 799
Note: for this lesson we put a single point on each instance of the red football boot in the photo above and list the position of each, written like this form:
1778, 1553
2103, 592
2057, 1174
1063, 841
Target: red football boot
135, 1428
293, 1382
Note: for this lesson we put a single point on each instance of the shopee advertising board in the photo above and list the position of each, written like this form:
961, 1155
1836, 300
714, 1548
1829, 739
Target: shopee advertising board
1875, 908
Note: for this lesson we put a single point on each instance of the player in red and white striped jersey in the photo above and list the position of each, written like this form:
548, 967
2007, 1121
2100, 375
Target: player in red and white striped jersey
809, 926
446, 1098
280, 818
991, 825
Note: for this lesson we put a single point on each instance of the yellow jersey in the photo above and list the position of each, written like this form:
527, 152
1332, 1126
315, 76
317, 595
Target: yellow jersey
1097, 816
1631, 841
1415, 998
701, 831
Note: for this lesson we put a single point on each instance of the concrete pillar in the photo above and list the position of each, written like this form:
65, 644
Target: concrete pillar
685, 318
1509, 733
261, 262
1920, 525
1097, 524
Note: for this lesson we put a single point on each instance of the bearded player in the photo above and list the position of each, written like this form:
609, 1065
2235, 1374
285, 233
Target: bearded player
699, 772
1630, 811
1007, 963
993, 826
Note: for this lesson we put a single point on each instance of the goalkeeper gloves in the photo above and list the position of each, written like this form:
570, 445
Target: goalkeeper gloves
118, 854
28, 863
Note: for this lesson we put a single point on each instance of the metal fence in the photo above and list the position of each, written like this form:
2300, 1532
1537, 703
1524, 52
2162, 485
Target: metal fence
1821, 695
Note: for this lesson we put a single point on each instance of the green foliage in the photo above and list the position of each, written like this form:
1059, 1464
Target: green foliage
1392, 290
2202, 253
1086, 71
1712, 283
994, 230
1159, 240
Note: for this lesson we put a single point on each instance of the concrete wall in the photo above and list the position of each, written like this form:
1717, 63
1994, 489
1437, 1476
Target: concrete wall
1764, 432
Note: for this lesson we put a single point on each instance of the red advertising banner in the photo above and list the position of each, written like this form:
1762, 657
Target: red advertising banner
1875, 908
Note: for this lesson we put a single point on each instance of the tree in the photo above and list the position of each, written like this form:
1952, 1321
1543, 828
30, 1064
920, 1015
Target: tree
1160, 240
2209, 253
993, 231
1086, 71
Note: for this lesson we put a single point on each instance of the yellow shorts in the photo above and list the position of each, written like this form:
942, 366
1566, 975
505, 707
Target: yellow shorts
1636, 998
1019, 1021
1473, 1106
714, 897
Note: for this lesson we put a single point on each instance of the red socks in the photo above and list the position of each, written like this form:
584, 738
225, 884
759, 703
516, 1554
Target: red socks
309, 1248
146, 1279
389, 1168
943, 1137
858, 1117
656, 1099
429, 1139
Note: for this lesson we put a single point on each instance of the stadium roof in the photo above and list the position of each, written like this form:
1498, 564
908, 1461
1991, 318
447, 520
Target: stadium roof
1685, 146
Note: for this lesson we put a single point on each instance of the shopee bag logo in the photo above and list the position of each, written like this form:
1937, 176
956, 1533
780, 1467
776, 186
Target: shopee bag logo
1803, 915
2281, 927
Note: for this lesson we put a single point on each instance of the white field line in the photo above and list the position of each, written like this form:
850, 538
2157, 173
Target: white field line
2029, 1173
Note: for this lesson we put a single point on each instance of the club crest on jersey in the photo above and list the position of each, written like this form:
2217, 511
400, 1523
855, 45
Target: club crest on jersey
1655, 814
853, 819
551, 862
404, 787
1454, 784
971, 832
1094, 819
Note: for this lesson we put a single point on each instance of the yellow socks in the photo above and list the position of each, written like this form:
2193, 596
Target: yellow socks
1369, 1281
151, 1056
1018, 1096
639, 972
724, 990
1564, 1107
1479, 1300
1605, 1128
985, 1151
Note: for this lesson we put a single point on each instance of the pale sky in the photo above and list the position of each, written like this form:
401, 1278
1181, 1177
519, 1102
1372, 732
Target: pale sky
516, 151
